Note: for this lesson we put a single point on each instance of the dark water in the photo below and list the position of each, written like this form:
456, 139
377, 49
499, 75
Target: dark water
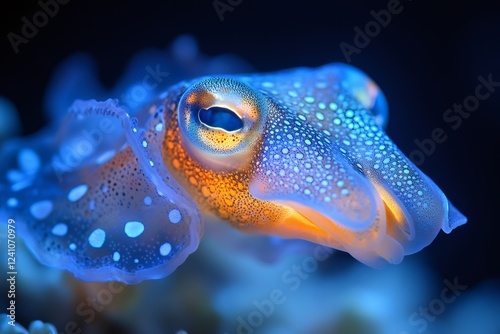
426, 59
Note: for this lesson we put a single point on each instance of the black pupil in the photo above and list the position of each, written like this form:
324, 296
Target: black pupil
218, 117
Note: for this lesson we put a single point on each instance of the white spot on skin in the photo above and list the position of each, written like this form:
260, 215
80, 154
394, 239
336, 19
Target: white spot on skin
144, 143
165, 249
136, 260
60, 229
12, 202
77, 192
148, 200
267, 84
14, 175
105, 157
116, 256
174, 216
28, 161
159, 127
72, 246
97, 238
134, 229
41, 210
21, 185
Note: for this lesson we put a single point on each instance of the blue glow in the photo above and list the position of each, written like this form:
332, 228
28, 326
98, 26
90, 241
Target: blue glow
12, 202
134, 229
78, 192
165, 249
174, 216
29, 161
41, 210
60, 229
97, 238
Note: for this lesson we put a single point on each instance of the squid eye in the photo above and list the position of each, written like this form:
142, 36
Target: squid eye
221, 120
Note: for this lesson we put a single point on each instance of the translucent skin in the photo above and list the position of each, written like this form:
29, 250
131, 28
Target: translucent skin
92, 199
321, 167
110, 197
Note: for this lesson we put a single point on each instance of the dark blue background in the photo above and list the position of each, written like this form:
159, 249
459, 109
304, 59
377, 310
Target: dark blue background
425, 60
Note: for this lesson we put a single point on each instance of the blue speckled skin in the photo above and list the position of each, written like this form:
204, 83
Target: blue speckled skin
97, 195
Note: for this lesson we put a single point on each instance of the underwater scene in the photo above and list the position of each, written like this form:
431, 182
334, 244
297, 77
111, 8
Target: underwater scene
239, 166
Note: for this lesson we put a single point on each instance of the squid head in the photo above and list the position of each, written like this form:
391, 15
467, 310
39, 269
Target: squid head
302, 154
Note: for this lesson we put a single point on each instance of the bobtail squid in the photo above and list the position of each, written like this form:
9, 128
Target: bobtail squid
300, 153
